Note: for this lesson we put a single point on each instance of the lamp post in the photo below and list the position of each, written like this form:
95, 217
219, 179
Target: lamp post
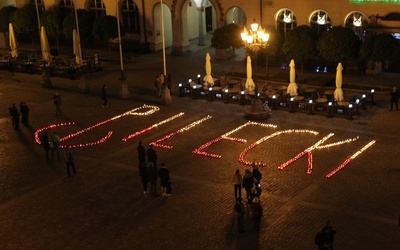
255, 39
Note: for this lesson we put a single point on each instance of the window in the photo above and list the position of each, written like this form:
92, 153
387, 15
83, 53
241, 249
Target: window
130, 16
285, 21
320, 22
358, 22
40, 5
97, 6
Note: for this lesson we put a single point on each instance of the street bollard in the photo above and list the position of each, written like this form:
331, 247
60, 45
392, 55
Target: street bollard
291, 105
198, 79
372, 96
350, 112
194, 94
363, 101
181, 90
310, 107
242, 98
274, 102
210, 94
329, 110
226, 96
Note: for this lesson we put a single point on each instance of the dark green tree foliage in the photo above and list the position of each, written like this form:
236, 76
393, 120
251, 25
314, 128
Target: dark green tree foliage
338, 44
5, 17
300, 43
85, 24
227, 37
385, 46
367, 47
274, 42
105, 27
52, 20
24, 21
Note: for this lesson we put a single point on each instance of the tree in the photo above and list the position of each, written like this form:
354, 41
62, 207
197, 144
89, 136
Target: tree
227, 37
105, 27
52, 21
5, 17
85, 19
338, 44
384, 47
300, 44
25, 21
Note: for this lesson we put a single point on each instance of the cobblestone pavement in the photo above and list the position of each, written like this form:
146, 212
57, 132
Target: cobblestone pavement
103, 207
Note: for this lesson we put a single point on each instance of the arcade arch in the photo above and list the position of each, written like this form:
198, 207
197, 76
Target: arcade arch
320, 21
358, 22
236, 15
285, 21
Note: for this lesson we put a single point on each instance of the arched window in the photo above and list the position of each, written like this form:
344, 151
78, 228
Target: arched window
320, 21
358, 22
98, 7
40, 5
285, 21
130, 16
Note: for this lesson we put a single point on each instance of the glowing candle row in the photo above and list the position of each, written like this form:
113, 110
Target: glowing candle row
186, 128
152, 127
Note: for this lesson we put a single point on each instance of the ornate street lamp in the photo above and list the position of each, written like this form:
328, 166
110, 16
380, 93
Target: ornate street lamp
255, 40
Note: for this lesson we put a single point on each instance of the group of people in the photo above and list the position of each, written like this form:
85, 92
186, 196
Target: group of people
51, 146
251, 182
149, 172
15, 114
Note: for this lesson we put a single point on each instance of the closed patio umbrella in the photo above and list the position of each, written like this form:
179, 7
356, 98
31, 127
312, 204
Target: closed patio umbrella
77, 49
45, 46
249, 86
339, 78
292, 88
13, 42
208, 79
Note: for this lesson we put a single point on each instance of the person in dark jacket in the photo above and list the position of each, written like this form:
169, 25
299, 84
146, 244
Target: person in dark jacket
248, 182
46, 145
256, 175
394, 98
152, 174
141, 151
144, 177
104, 96
324, 238
152, 155
165, 180
14, 116
24, 109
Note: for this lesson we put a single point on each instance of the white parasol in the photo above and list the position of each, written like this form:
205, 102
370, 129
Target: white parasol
45, 46
292, 88
13, 42
208, 79
249, 86
77, 48
339, 78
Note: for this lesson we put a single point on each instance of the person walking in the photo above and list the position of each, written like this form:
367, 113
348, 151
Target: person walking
55, 145
165, 180
240, 212
104, 96
248, 183
152, 174
324, 238
57, 102
152, 155
256, 213
141, 151
15, 116
69, 160
256, 175
144, 177
46, 144
237, 184
158, 84
394, 98
24, 109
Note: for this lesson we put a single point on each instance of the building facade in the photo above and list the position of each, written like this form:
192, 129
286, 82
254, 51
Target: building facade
184, 20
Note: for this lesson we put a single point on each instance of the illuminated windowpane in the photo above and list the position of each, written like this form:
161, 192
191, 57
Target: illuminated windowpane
130, 16
285, 21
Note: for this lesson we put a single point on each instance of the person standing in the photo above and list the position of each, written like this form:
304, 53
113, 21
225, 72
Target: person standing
57, 102
158, 84
141, 151
165, 180
237, 184
240, 212
144, 177
10, 110
152, 174
256, 175
324, 238
46, 144
256, 213
248, 182
394, 98
69, 160
24, 109
104, 96
152, 155
55, 145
